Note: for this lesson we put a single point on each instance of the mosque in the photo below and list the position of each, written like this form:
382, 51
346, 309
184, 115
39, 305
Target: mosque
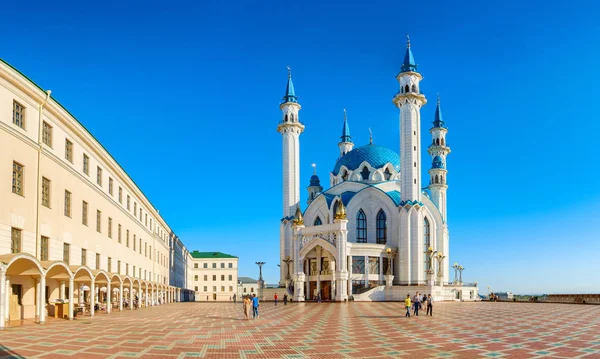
376, 233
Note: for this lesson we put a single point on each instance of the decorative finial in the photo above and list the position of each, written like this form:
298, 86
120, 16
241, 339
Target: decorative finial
314, 165
438, 98
370, 136
298, 220
340, 212
345, 117
289, 72
407, 41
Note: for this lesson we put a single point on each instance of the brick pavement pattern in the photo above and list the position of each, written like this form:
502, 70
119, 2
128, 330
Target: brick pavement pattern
311, 330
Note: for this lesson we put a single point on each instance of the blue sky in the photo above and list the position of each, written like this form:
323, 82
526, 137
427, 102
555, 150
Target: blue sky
195, 86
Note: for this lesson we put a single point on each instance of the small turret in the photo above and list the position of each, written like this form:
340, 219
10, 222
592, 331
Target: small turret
346, 143
438, 184
315, 188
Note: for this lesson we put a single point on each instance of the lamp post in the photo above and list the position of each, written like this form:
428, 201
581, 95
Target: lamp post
389, 276
430, 254
455, 266
287, 262
440, 259
460, 270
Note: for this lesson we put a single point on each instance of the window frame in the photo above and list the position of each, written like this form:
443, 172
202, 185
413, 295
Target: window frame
18, 179
47, 132
19, 115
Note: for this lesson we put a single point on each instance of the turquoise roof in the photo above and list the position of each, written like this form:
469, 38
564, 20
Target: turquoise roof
409, 64
376, 156
346, 197
395, 196
290, 94
314, 181
437, 162
438, 121
346, 130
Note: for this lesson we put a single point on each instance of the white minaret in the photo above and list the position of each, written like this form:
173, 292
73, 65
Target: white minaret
438, 149
290, 128
410, 100
345, 143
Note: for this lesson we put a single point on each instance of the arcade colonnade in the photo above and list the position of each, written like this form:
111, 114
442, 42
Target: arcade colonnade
29, 288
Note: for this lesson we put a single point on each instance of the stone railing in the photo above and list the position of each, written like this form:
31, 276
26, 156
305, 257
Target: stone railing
573, 298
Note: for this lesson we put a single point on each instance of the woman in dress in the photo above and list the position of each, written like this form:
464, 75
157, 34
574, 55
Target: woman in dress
247, 307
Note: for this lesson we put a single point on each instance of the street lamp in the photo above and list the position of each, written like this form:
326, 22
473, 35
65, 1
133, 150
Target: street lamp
460, 270
455, 266
260, 264
390, 253
440, 259
287, 262
430, 254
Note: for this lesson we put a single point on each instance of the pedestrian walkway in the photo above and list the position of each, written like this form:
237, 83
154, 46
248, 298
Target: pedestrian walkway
310, 330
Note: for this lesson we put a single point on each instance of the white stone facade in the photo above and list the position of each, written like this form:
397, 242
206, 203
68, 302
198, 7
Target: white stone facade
215, 276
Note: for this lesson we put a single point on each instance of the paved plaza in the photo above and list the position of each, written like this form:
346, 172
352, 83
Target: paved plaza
311, 330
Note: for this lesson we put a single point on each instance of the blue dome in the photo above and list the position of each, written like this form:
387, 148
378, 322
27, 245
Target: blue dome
376, 156
314, 181
437, 162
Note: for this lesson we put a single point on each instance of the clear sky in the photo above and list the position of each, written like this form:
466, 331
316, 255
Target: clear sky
185, 96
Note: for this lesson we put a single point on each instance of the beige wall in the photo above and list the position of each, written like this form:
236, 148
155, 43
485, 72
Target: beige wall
230, 285
21, 145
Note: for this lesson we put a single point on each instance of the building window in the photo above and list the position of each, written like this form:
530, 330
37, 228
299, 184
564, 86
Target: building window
358, 265
17, 178
126, 268
140, 246
222, 265
119, 233
214, 265
84, 213
18, 114
66, 253
427, 241
97, 261
214, 288
44, 248
196, 278
205, 265
67, 203
205, 289
127, 238
128, 202
205, 278
230, 265
365, 173
45, 192
99, 221
120, 195
231, 288
196, 288
195, 265
110, 186
47, 134
119, 267
361, 227
69, 150
86, 164
381, 227
146, 249
222, 288
15, 243
133, 272
251, 289
99, 175
135, 208
134, 243
109, 264
214, 277
222, 277
244, 289
109, 227
317, 221
83, 256
230, 277
145, 219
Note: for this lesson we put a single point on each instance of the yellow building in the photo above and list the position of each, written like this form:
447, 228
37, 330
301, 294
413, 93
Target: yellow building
72, 221
215, 276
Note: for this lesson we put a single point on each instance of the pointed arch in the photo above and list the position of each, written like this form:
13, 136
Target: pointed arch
361, 227
365, 173
286, 117
381, 227
317, 221
436, 180
406, 88
437, 141
414, 88
387, 175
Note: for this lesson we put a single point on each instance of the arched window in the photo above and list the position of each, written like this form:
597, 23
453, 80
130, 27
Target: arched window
292, 117
286, 118
443, 142
317, 221
406, 88
381, 227
427, 241
361, 227
437, 179
437, 141
414, 88
365, 173
345, 175
387, 174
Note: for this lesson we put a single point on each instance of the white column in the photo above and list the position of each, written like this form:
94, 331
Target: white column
3, 292
146, 297
42, 299
37, 299
131, 297
61, 295
71, 299
92, 297
121, 297
349, 276
108, 302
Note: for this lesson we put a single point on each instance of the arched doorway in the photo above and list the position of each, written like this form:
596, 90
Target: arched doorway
58, 283
23, 284
319, 264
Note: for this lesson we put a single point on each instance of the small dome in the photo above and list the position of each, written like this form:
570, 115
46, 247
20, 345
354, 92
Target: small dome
376, 156
314, 181
438, 162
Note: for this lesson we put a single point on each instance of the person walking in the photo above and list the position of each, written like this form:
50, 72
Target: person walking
247, 307
285, 299
417, 304
429, 305
234, 298
318, 297
407, 305
255, 306
276, 298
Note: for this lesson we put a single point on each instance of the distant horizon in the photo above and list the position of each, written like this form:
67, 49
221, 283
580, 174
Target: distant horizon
198, 92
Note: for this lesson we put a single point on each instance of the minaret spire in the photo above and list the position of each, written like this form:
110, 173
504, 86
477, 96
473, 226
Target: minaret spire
438, 182
290, 94
409, 64
345, 143
438, 121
